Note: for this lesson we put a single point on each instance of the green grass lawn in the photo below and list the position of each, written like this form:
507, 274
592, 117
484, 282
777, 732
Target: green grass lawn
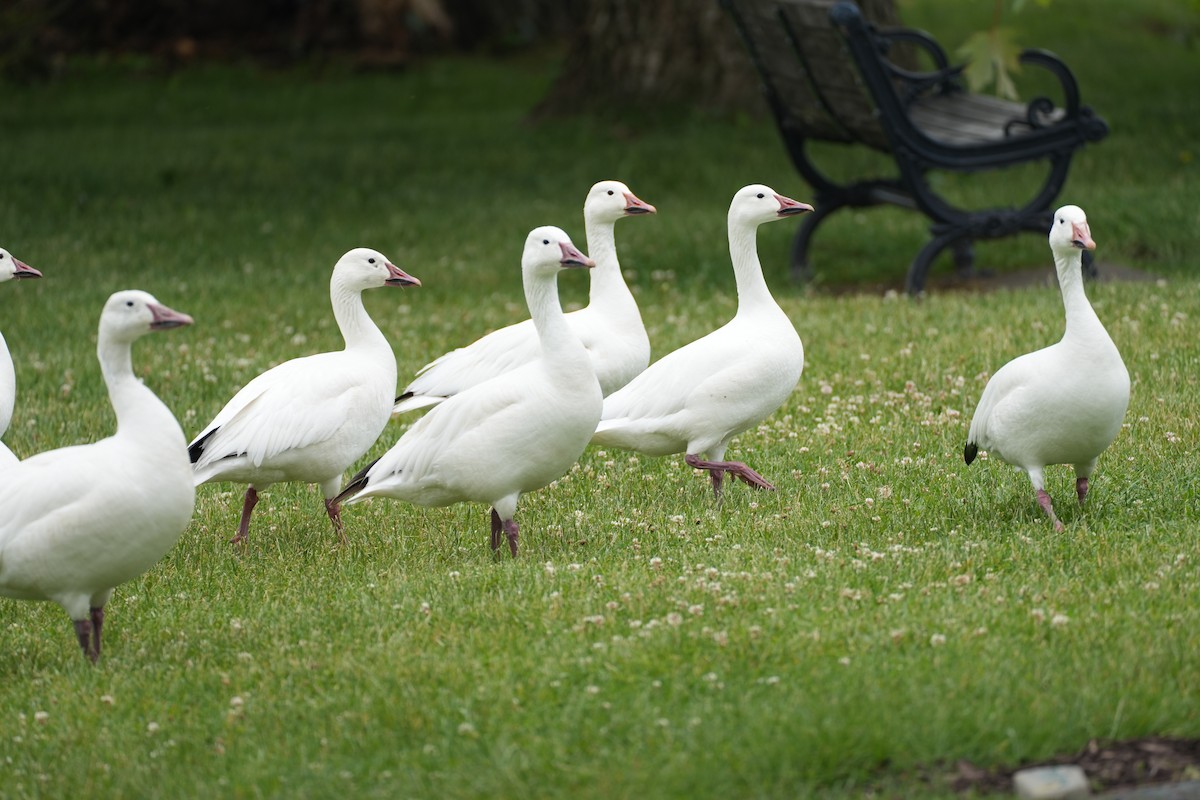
888, 608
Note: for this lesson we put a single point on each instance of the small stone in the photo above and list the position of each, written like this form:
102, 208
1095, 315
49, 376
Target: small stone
1052, 783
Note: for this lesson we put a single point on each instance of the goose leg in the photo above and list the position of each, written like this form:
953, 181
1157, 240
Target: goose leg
718, 478
511, 530
1081, 489
334, 510
1044, 501
735, 468
83, 632
97, 625
247, 508
497, 526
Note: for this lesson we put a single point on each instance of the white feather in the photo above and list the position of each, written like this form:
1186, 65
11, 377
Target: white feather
310, 418
10, 268
610, 326
512, 434
1063, 404
697, 398
80, 520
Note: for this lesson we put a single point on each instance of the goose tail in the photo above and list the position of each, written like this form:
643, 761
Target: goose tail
356, 484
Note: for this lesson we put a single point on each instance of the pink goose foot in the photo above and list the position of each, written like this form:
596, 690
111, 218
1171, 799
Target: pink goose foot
334, 510
497, 527
97, 626
83, 632
735, 468
1044, 501
512, 532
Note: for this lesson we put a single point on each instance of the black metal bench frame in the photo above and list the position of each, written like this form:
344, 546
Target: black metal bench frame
827, 76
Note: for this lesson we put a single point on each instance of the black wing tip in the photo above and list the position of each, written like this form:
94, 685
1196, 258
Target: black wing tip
196, 448
356, 484
970, 451
399, 398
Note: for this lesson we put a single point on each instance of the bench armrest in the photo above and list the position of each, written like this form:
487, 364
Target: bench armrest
1053, 64
944, 78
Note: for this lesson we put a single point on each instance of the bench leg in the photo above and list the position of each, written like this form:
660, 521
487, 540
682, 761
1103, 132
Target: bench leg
801, 269
1089, 266
914, 282
964, 257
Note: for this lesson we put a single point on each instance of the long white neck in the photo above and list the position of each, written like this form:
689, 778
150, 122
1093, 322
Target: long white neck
608, 288
1082, 323
356, 325
747, 271
8, 386
139, 411
560, 345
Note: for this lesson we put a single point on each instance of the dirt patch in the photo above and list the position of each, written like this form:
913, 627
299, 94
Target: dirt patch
1109, 765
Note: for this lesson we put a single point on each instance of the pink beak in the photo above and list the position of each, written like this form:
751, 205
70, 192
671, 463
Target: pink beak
789, 207
23, 270
1081, 236
572, 257
635, 206
398, 277
164, 318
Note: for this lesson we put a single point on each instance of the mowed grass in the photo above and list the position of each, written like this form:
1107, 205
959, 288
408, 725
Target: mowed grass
887, 608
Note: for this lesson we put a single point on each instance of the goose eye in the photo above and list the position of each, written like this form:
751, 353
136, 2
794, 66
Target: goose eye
1, 255
545, 241
370, 261
610, 192
761, 195
129, 304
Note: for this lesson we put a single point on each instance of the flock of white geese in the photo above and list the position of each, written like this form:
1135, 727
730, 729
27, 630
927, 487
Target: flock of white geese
508, 414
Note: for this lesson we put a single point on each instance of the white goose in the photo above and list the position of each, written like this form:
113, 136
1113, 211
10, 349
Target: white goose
1062, 404
310, 418
610, 326
696, 399
512, 434
10, 269
81, 520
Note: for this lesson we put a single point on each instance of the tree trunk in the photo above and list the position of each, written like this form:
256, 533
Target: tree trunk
648, 53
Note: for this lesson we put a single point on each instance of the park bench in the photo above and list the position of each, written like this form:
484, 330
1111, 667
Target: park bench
830, 75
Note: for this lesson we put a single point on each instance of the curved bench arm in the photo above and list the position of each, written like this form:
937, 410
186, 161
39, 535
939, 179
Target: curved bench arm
1066, 79
944, 78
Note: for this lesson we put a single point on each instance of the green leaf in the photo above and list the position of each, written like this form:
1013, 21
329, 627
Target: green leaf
992, 58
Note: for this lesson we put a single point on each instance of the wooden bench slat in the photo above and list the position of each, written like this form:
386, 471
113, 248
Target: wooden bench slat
827, 78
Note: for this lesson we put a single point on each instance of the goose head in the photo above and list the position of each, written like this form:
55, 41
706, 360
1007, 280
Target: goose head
548, 249
756, 204
608, 201
363, 268
13, 269
1070, 231
130, 314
